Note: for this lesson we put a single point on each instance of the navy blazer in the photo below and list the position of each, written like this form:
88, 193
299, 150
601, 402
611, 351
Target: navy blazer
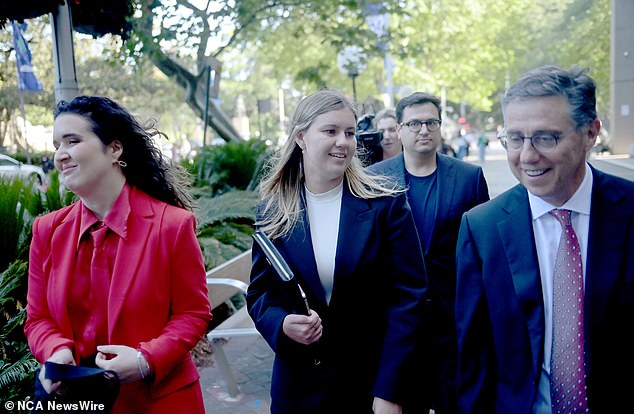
500, 311
461, 186
369, 324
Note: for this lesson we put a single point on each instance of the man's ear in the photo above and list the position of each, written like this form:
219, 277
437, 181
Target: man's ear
593, 132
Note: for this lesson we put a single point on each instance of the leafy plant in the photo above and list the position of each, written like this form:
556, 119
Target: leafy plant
20, 203
18, 364
225, 225
229, 166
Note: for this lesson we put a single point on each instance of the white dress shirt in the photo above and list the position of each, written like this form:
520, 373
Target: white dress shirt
547, 232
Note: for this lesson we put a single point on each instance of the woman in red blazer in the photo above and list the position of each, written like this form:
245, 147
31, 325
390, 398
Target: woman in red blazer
117, 279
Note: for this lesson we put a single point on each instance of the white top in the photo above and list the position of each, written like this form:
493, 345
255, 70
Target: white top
547, 232
323, 217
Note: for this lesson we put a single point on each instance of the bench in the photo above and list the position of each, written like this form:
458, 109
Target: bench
223, 282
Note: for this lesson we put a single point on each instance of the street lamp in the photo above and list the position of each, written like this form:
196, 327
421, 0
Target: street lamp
351, 62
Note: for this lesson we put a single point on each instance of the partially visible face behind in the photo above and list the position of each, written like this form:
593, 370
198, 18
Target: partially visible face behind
423, 141
390, 143
553, 176
81, 158
328, 146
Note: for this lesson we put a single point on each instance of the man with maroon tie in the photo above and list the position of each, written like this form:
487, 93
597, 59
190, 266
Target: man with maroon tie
545, 289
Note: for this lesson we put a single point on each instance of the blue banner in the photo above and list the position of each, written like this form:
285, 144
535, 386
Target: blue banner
26, 78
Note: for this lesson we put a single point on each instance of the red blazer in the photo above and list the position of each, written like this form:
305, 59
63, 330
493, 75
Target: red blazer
157, 301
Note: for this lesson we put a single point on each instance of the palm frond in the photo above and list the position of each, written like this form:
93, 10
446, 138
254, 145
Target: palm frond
234, 206
15, 372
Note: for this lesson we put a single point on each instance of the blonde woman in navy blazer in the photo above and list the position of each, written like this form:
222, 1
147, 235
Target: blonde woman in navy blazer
364, 334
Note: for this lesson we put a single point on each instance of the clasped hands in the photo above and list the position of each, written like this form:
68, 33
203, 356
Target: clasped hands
118, 358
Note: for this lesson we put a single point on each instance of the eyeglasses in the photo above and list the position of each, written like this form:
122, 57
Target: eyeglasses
415, 125
542, 141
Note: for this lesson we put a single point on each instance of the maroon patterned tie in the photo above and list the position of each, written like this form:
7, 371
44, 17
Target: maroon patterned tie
567, 367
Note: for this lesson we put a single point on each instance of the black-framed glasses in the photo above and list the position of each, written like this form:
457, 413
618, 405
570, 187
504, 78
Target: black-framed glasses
415, 125
541, 141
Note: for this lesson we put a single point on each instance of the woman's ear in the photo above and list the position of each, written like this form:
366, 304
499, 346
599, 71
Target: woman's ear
299, 139
116, 149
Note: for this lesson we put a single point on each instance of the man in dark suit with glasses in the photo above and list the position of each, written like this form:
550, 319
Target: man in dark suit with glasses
545, 292
439, 190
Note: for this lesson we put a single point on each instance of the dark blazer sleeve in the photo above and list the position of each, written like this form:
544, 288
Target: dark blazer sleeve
265, 302
405, 298
475, 346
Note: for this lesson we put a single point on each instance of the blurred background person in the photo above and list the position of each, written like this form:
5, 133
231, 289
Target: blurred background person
385, 122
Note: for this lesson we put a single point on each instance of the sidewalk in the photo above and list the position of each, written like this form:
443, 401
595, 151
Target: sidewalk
252, 358
252, 361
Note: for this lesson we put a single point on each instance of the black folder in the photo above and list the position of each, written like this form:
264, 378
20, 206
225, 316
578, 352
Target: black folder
291, 288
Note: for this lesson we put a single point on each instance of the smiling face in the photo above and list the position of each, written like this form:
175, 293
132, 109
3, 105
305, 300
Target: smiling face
84, 163
422, 142
328, 146
553, 176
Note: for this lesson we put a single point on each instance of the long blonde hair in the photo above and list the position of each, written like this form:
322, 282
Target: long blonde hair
282, 187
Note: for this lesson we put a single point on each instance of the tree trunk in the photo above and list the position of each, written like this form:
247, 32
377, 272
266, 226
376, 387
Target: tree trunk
194, 85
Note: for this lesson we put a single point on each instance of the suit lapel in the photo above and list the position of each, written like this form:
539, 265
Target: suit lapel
516, 233
129, 254
446, 176
299, 245
606, 238
355, 226
397, 170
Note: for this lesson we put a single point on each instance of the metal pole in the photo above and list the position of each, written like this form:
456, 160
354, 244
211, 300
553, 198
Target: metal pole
206, 106
354, 87
26, 135
66, 87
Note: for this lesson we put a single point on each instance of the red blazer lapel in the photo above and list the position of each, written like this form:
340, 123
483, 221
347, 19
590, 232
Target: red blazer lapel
130, 254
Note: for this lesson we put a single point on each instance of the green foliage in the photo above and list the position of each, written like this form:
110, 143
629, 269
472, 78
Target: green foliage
56, 196
19, 204
229, 166
225, 225
231, 206
18, 365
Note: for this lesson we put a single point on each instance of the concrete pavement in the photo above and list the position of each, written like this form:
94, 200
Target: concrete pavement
252, 359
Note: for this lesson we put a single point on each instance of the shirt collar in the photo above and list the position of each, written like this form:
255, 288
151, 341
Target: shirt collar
116, 220
579, 202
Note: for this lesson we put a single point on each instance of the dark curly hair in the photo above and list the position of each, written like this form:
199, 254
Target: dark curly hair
147, 168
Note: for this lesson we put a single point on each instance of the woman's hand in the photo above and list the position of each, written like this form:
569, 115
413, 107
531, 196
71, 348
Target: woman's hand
61, 356
381, 406
303, 329
122, 360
